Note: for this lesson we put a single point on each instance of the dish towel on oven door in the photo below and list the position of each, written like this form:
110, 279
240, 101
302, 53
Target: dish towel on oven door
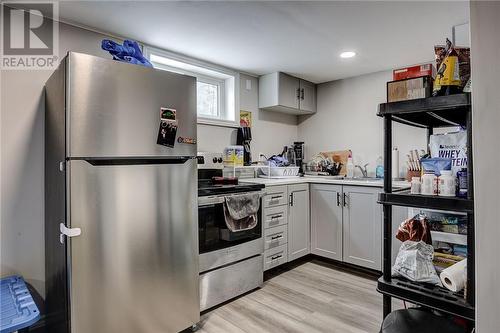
240, 211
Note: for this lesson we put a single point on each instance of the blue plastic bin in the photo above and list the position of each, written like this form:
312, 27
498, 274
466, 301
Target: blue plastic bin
17, 306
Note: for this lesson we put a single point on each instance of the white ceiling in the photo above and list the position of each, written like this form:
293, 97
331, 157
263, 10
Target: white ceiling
300, 38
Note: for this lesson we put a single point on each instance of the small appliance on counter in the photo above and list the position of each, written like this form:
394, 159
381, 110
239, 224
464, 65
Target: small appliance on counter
243, 138
298, 147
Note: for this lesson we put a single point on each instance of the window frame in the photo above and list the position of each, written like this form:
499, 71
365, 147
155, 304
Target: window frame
221, 107
226, 79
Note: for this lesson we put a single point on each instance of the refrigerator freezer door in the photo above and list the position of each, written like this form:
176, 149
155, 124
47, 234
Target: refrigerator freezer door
134, 268
114, 108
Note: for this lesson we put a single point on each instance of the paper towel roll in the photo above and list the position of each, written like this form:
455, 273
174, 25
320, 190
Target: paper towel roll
395, 163
454, 277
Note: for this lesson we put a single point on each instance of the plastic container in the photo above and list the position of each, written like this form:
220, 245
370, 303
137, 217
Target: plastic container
233, 156
350, 168
447, 184
415, 185
379, 170
18, 307
279, 172
436, 164
429, 184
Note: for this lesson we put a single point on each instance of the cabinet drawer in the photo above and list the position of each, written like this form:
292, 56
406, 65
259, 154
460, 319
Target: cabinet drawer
222, 284
275, 257
276, 196
274, 237
275, 216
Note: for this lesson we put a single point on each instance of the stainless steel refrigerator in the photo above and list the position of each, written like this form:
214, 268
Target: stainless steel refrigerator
121, 237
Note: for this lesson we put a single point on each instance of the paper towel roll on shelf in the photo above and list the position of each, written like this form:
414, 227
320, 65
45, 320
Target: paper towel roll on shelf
455, 277
395, 163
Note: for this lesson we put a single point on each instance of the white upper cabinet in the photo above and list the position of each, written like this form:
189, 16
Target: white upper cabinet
284, 93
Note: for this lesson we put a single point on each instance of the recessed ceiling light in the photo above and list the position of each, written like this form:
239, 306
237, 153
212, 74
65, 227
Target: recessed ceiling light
347, 54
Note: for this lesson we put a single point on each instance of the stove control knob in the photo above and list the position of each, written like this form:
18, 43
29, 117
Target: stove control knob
215, 160
219, 160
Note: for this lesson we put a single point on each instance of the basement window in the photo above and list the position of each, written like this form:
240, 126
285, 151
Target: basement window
217, 93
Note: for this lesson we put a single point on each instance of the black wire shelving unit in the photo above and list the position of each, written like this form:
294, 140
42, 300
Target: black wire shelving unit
429, 113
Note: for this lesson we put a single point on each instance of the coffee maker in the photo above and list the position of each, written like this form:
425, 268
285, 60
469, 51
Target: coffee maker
298, 147
243, 138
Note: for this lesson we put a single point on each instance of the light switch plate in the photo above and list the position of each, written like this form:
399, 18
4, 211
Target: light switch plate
248, 84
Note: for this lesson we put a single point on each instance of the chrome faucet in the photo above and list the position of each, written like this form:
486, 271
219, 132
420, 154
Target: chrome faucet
363, 169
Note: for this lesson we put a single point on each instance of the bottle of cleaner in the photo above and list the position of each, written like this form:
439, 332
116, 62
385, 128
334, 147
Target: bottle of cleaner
350, 168
379, 171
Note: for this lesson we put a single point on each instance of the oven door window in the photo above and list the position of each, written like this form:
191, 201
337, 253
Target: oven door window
214, 234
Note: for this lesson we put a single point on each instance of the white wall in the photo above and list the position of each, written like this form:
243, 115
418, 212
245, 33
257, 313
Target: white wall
22, 153
485, 51
270, 130
346, 119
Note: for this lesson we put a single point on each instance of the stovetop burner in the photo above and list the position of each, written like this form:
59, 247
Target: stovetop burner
206, 188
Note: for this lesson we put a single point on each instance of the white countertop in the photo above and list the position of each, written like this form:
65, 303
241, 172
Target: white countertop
323, 180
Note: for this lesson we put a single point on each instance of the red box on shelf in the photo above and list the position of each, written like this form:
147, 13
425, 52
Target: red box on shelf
414, 71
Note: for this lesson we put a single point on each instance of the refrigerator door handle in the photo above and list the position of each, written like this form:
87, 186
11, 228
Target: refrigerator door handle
115, 161
68, 232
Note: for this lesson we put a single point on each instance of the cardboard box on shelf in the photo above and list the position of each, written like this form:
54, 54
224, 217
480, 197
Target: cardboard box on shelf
414, 71
408, 89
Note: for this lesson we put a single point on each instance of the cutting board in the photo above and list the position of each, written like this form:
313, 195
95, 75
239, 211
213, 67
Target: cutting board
339, 156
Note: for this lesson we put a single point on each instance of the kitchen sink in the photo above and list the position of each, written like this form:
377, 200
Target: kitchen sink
324, 176
366, 179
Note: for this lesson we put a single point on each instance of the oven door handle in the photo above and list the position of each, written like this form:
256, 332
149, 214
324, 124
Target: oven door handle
208, 201
218, 199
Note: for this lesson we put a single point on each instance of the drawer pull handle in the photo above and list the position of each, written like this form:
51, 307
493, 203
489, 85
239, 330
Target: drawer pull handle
276, 237
275, 217
276, 197
276, 257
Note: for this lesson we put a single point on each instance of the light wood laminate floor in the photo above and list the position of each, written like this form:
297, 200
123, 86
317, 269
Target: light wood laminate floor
312, 297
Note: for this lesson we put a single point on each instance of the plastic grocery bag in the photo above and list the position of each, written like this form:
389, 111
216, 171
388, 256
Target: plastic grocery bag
414, 262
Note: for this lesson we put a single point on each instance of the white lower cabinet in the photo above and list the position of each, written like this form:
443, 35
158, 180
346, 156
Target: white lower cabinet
362, 227
286, 224
346, 224
276, 236
338, 222
326, 221
275, 257
298, 221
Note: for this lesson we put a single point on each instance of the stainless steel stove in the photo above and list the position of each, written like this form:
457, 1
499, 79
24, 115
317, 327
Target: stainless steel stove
229, 266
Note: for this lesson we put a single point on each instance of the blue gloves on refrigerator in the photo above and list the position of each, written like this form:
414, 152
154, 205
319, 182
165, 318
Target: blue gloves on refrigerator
128, 52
